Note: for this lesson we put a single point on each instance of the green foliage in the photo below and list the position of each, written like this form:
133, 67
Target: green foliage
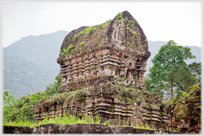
166, 127
8, 103
185, 94
67, 119
22, 77
8, 99
101, 26
169, 73
70, 47
64, 52
67, 50
108, 21
19, 109
81, 44
196, 70
80, 33
75, 37
119, 17
89, 30
29, 64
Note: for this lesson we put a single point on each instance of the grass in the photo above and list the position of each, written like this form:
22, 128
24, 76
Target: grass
126, 124
67, 119
73, 119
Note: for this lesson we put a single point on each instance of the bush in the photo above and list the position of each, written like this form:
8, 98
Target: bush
108, 21
119, 17
80, 33
67, 50
18, 110
70, 47
64, 52
75, 37
81, 44
89, 30
100, 26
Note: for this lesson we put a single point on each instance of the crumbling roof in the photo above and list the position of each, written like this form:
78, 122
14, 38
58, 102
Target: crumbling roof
122, 32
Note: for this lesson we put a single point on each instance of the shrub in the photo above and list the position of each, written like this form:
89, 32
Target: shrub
70, 47
64, 52
108, 21
119, 17
100, 26
89, 30
80, 33
67, 50
81, 44
75, 37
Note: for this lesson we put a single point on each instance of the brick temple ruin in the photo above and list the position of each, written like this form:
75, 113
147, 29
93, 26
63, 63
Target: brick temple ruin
102, 74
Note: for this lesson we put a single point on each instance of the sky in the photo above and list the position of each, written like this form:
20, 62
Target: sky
160, 21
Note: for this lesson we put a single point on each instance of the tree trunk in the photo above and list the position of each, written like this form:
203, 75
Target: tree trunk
171, 92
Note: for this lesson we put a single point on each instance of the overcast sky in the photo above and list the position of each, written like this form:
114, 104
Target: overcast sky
160, 21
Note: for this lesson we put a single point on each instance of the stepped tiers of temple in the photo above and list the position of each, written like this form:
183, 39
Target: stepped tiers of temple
102, 72
108, 61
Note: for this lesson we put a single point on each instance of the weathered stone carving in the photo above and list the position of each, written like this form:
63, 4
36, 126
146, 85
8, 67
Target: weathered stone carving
105, 76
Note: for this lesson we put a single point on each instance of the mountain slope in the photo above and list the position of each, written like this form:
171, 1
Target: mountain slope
22, 77
42, 50
30, 64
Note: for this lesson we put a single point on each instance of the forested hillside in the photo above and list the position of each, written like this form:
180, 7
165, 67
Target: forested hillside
42, 50
30, 63
22, 77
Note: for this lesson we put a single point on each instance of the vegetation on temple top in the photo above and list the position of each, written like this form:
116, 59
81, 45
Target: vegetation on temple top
81, 44
119, 17
67, 50
100, 26
94, 37
108, 21
89, 30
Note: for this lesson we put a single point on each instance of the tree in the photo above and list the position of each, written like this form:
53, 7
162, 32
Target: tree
52, 88
180, 80
162, 74
20, 108
196, 70
8, 104
9, 99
